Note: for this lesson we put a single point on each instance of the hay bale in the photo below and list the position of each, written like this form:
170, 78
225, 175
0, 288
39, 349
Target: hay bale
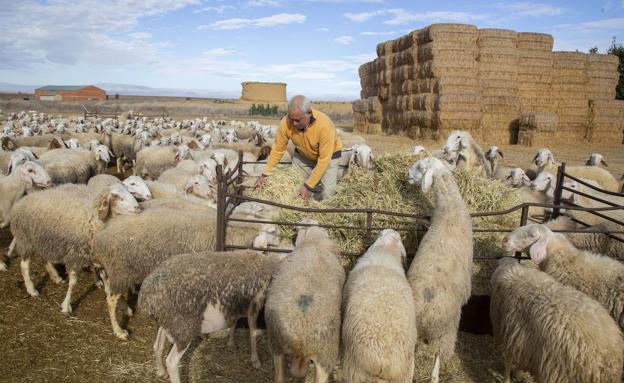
541, 122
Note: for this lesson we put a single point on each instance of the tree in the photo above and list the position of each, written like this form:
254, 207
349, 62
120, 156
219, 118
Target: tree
593, 50
618, 50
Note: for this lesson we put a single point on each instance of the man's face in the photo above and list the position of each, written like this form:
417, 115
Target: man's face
299, 119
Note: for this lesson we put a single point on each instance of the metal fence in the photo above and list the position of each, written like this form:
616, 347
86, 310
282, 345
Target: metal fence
230, 193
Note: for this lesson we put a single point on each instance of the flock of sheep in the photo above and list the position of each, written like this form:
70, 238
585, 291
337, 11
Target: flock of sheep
560, 318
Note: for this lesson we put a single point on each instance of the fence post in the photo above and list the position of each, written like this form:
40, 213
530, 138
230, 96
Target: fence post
558, 189
524, 217
369, 225
221, 191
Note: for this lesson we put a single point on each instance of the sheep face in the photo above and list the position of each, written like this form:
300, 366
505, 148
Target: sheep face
493, 152
362, 156
267, 237
206, 140
27, 132
389, 244
138, 188
34, 175
517, 177
102, 153
543, 181
596, 159
183, 153
422, 172
7, 143
20, 156
117, 200
543, 157
199, 186
534, 236
457, 141
419, 150
73, 143
93, 144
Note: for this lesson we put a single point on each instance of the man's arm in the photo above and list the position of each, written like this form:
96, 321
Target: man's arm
279, 147
326, 150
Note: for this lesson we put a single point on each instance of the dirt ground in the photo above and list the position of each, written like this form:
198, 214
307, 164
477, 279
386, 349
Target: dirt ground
40, 344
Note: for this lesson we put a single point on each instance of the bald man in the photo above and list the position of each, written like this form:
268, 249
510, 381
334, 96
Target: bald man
317, 148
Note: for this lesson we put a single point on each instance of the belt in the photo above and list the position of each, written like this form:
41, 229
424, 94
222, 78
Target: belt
337, 154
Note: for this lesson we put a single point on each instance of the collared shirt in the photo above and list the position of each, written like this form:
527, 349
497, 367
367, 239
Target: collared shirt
318, 142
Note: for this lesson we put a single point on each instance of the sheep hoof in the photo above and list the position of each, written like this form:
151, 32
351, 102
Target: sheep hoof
34, 293
129, 311
3, 266
66, 309
58, 280
161, 373
256, 364
122, 334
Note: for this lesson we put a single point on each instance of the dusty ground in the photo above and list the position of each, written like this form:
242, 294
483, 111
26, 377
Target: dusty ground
40, 344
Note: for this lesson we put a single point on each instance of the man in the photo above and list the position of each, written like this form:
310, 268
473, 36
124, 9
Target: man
317, 148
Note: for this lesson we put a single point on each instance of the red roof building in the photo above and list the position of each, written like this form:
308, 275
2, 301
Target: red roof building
72, 93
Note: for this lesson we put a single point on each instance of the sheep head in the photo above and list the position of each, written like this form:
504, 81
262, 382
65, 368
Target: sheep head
362, 156
422, 172
595, 160
138, 188
8, 144
543, 181
517, 177
183, 153
201, 187
543, 157
57, 143
388, 244
268, 237
33, 175
302, 229
116, 200
535, 237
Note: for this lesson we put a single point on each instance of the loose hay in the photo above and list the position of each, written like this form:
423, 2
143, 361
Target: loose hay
386, 188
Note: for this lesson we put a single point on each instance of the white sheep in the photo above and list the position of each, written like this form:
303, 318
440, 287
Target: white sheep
151, 161
494, 156
218, 289
593, 238
470, 155
26, 178
379, 324
58, 225
440, 274
303, 306
596, 159
555, 332
74, 165
598, 276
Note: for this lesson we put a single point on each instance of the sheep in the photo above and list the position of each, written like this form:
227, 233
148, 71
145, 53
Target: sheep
470, 154
43, 140
359, 154
517, 178
135, 185
303, 315
102, 181
555, 332
73, 165
58, 225
26, 178
588, 217
189, 295
596, 239
598, 276
420, 150
596, 159
131, 247
153, 160
497, 171
545, 161
441, 270
18, 157
379, 325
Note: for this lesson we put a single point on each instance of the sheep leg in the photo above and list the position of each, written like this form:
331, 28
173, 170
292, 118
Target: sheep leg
118, 162
435, 374
507, 374
53, 273
159, 348
279, 363
3, 265
231, 343
113, 300
30, 287
252, 318
73, 278
320, 375
173, 359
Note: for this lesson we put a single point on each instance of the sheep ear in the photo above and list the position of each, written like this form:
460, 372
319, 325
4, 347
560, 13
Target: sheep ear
300, 234
552, 158
604, 162
538, 250
427, 180
500, 153
193, 145
105, 207
9, 168
534, 158
225, 162
264, 153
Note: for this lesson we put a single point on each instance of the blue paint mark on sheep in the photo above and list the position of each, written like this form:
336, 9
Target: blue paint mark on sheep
304, 302
428, 294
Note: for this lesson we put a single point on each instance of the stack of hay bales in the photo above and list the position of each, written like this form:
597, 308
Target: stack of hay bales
447, 64
537, 128
606, 121
603, 76
535, 65
569, 93
498, 74
367, 110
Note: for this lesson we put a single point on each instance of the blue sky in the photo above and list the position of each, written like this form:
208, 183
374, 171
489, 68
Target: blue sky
315, 46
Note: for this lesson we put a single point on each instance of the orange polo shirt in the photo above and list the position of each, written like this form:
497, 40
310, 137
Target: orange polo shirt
318, 143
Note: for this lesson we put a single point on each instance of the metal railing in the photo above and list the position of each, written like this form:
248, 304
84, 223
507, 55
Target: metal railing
230, 195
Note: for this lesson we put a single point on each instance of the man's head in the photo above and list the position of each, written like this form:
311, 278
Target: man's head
300, 112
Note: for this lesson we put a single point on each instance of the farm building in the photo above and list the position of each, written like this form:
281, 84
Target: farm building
70, 93
264, 91
500, 85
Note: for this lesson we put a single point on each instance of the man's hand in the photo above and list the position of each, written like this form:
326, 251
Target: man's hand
259, 183
304, 192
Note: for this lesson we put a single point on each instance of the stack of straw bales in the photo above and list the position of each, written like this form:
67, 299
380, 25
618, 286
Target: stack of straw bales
498, 83
455, 76
367, 115
606, 121
537, 128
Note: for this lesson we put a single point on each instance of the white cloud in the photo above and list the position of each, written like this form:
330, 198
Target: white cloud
271, 21
264, 3
219, 52
344, 40
387, 33
400, 16
218, 9
528, 8
617, 23
69, 32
